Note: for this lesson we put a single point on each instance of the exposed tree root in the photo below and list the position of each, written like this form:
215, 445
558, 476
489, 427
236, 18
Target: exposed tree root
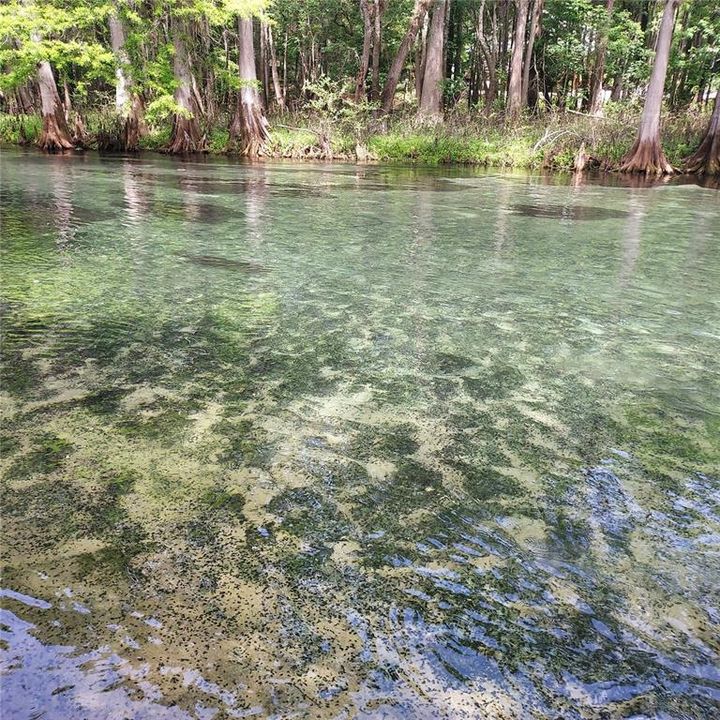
134, 125
646, 157
706, 159
80, 137
186, 137
249, 131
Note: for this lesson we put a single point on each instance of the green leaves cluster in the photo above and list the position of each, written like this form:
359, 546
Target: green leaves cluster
61, 32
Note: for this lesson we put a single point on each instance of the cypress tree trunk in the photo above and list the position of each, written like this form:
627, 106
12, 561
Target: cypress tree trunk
128, 104
393, 78
489, 51
420, 60
534, 32
514, 106
706, 159
431, 100
596, 92
646, 155
25, 100
277, 87
249, 129
186, 136
55, 136
263, 68
365, 57
377, 42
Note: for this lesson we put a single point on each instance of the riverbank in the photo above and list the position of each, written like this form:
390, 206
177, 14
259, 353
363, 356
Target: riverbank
554, 140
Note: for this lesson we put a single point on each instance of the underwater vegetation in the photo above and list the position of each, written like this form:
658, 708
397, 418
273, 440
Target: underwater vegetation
345, 454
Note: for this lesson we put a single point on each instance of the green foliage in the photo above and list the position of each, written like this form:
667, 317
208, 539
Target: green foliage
627, 56
57, 31
20, 129
435, 149
162, 109
157, 139
218, 140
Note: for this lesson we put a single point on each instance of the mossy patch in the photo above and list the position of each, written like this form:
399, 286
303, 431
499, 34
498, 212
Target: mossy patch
48, 454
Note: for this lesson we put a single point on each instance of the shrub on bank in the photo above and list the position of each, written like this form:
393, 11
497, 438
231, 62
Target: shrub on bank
551, 140
20, 129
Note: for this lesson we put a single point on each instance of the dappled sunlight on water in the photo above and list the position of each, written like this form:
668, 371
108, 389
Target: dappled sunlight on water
333, 441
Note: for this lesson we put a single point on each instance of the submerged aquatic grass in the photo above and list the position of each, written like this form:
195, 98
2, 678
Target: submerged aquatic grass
329, 440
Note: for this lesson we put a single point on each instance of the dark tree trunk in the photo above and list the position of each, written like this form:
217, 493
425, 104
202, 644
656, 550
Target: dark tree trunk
377, 46
393, 78
527, 63
420, 59
514, 106
55, 136
490, 54
431, 100
186, 136
646, 155
706, 159
249, 130
25, 100
596, 91
365, 57
278, 90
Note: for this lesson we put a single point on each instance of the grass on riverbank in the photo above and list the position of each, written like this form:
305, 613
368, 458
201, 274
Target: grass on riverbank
551, 140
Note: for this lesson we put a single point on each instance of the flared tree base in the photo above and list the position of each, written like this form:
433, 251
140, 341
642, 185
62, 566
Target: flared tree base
249, 132
134, 126
706, 159
646, 157
55, 136
186, 137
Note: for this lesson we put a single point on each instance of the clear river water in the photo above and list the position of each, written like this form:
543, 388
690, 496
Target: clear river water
328, 441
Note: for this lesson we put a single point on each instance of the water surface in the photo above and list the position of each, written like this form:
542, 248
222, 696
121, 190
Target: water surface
327, 441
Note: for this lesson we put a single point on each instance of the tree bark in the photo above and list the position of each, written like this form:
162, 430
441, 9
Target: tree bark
393, 78
367, 44
264, 67
420, 60
646, 155
514, 106
379, 7
117, 42
25, 100
277, 86
489, 54
186, 136
128, 103
706, 159
596, 93
55, 136
431, 100
527, 63
249, 129
67, 103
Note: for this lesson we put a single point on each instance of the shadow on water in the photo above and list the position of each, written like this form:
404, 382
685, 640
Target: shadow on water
222, 262
567, 212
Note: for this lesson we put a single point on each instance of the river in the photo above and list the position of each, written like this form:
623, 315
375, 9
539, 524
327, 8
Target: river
325, 441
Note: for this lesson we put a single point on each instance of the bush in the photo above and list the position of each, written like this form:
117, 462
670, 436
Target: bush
337, 127
20, 129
